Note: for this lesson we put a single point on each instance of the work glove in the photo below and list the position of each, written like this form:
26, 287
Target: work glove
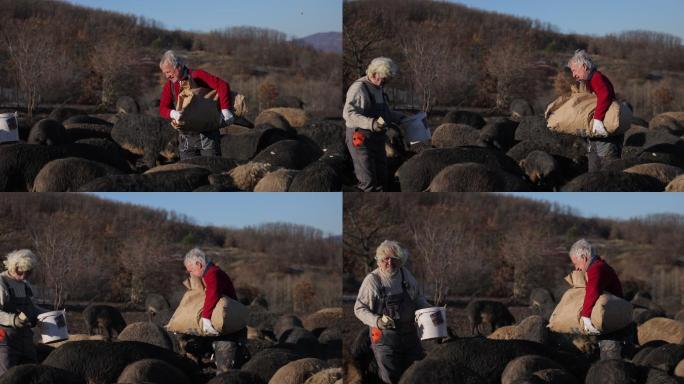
208, 329
379, 125
385, 322
21, 320
176, 115
227, 117
598, 130
589, 328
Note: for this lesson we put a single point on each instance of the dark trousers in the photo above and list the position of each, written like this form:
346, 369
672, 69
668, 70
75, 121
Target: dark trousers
17, 349
601, 149
394, 353
370, 160
199, 144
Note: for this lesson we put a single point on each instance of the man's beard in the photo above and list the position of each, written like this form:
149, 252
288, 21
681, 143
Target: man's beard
389, 270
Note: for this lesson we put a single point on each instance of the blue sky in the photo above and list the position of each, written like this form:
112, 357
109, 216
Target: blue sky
614, 205
296, 18
319, 210
594, 17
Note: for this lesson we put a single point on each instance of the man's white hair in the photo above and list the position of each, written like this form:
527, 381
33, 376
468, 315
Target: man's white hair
582, 57
195, 255
582, 248
172, 59
383, 67
21, 260
392, 249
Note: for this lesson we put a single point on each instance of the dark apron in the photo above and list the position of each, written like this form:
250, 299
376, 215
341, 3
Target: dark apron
367, 149
396, 348
401, 308
16, 345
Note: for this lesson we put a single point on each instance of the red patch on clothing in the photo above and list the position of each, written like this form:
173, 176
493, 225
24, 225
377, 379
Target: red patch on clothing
357, 139
3, 334
376, 335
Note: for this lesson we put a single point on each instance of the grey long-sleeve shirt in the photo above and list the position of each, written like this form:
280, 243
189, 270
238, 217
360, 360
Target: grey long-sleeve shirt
367, 307
358, 107
19, 289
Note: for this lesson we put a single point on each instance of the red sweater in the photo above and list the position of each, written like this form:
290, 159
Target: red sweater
603, 88
600, 277
217, 284
203, 79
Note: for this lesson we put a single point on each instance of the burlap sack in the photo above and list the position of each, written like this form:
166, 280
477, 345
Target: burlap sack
573, 114
199, 109
229, 315
610, 313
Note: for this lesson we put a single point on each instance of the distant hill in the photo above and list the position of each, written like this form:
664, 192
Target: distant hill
324, 41
500, 244
466, 57
68, 38
123, 251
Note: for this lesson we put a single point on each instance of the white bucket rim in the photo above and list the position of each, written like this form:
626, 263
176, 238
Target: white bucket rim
45, 315
428, 310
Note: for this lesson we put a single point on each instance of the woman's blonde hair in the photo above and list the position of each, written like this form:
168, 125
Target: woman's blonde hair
20, 260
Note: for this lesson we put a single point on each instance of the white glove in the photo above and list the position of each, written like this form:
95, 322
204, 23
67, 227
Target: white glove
176, 115
379, 125
208, 328
21, 320
598, 130
589, 328
385, 322
228, 117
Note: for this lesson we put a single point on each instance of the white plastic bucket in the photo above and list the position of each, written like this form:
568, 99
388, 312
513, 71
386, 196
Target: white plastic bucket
9, 124
431, 322
415, 128
53, 326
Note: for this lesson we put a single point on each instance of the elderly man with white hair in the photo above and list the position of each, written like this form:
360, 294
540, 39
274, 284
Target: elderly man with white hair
601, 277
216, 284
387, 301
17, 311
179, 75
601, 146
367, 114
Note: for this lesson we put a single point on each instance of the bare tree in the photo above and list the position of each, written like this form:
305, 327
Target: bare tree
30, 49
525, 248
65, 256
362, 233
113, 60
436, 70
509, 62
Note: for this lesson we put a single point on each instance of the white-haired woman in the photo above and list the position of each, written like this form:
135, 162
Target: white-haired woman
601, 146
17, 311
178, 74
601, 278
387, 301
366, 115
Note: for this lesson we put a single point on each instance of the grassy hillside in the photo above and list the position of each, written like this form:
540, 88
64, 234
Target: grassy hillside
451, 55
496, 245
94, 249
55, 53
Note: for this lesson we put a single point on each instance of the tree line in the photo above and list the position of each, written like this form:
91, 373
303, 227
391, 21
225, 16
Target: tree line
497, 245
453, 55
55, 52
121, 251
